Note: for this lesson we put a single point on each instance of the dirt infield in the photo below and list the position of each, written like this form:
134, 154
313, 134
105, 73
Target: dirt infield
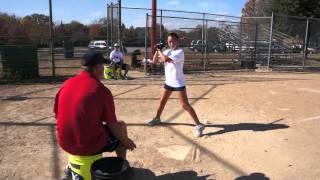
260, 125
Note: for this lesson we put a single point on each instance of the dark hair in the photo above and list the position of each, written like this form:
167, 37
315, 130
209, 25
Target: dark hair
87, 68
172, 34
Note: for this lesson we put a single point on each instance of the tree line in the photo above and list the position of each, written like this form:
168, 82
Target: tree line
305, 8
34, 29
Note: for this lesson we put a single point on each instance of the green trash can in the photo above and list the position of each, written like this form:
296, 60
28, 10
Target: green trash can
68, 48
134, 60
19, 62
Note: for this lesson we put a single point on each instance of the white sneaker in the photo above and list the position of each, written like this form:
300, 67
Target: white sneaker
154, 121
199, 129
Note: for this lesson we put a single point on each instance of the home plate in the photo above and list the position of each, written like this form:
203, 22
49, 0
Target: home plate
178, 152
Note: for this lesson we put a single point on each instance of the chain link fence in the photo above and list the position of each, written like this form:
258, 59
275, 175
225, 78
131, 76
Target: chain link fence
312, 58
255, 41
288, 41
70, 41
113, 24
295, 42
210, 41
216, 41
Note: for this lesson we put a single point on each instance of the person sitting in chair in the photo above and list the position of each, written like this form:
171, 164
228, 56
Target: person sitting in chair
116, 58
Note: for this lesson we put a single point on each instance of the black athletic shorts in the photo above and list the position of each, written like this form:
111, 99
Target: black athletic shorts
122, 65
112, 142
167, 87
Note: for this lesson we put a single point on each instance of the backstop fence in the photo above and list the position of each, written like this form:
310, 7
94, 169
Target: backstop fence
210, 41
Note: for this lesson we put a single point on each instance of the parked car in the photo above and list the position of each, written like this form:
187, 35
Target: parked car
219, 48
297, 48
300, 49
199, 46
100, 44
311, 50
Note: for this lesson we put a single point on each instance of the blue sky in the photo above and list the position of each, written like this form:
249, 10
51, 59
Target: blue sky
86, 11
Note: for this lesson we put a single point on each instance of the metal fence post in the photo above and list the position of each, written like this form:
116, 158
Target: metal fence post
202, 40
228, 28
119, 25
51, 40
270, 40
108, 18
160, 26
305, 49
240, 41
146, 44
111, 29
205, 48
255, 42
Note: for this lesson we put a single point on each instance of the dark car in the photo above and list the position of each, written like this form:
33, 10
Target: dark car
199, 46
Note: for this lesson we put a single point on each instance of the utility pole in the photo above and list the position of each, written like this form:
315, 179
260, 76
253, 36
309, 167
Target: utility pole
50, 40
154, 26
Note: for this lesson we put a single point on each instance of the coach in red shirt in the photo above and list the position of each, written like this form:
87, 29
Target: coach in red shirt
85, 112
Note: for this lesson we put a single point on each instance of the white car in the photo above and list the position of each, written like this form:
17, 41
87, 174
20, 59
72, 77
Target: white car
311, 50
100, 44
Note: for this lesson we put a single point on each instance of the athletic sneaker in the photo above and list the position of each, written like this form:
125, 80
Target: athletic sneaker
154, 121
199, 129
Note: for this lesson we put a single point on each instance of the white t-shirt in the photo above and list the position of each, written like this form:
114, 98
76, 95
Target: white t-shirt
174, 69
116, 56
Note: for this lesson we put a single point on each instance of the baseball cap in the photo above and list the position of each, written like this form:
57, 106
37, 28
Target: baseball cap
116, 45
92, 58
